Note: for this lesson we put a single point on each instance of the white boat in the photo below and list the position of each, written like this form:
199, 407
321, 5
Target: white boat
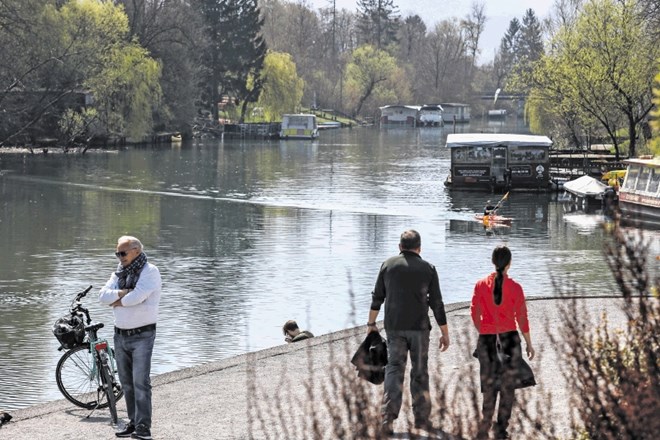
299, 126
639, 196
430, 115
586, 187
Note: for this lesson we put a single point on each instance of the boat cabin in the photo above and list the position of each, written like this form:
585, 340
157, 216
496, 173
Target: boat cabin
399, 115
498, 161
639, 196
299, 126
453, 112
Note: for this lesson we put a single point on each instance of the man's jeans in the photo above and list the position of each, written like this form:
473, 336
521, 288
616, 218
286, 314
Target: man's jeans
133, 355
399, 343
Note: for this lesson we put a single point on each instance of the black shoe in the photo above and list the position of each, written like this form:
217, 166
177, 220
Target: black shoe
502, 435
142, 435
127, 431
425, 426
386, 429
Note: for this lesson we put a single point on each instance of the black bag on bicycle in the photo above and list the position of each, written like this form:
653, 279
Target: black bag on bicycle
69, 331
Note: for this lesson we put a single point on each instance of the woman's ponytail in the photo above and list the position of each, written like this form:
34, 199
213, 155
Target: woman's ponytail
501, 259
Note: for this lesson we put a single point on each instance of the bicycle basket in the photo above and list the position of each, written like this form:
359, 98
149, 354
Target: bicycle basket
69, 331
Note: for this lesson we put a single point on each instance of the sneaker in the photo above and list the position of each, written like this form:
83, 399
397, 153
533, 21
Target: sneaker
142, 435
129, 428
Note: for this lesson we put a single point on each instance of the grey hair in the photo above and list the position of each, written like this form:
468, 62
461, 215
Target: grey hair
135, 243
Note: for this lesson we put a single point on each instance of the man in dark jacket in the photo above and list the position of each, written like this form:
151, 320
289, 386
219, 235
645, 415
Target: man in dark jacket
408, 285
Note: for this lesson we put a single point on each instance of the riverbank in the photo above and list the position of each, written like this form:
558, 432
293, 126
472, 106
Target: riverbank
264, 394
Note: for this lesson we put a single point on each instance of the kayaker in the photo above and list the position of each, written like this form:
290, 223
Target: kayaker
489, 208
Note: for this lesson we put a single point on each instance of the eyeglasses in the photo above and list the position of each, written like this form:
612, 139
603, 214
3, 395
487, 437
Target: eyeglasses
122, 254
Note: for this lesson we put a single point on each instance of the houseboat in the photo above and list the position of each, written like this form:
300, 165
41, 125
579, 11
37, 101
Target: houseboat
405, 115
498, 161
430, 115
455, 112
299, 126
639, 196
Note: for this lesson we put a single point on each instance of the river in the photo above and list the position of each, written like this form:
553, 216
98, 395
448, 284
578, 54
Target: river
249, 234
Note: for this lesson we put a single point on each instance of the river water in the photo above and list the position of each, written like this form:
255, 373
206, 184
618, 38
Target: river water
249, 234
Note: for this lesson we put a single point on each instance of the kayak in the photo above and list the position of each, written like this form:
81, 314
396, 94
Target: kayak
494, 220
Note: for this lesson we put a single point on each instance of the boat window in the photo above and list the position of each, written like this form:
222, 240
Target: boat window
654, 184
643, 179
524, 154
631, 177
471, 154
299, 121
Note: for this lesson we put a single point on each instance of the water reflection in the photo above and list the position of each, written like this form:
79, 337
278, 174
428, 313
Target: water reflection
248, 234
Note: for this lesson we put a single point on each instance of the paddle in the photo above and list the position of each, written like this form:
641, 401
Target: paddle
506, 196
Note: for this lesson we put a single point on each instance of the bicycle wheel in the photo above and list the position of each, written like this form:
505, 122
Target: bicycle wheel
107, 376
78, 379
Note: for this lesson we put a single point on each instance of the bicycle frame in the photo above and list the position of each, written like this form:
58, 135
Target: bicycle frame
86, 373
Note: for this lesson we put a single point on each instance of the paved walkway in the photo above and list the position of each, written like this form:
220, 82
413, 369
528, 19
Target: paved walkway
211, 401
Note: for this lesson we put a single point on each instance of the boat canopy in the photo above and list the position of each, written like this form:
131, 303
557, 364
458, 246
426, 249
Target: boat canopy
493, 139
585, 186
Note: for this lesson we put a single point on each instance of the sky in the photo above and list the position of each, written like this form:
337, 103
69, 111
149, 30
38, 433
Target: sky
498, 12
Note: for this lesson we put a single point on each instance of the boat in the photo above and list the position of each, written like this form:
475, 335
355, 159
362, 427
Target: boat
328, 125
493, 219
497, 113
639, 196
586, 187
430, 115
499, 161
299, 126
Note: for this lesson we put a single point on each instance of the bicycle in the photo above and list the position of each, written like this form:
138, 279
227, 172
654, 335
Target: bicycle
86, 373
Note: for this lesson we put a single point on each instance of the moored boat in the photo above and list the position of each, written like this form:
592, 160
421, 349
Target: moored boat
499, 161
639, 196
299, 126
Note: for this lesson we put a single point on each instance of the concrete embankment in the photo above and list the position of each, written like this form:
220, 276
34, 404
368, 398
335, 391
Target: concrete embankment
211, 401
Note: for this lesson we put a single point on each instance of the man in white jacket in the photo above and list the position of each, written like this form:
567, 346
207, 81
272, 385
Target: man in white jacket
133, 291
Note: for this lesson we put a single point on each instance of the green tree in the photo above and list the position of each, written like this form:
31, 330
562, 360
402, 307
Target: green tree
68, 50
655, 121
369, 68
172, 33
282, 89
234, 52
505, 58
378, 22
601, 67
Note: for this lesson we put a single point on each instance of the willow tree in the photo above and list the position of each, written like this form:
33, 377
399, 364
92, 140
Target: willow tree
281, 88
81, 46
602, 67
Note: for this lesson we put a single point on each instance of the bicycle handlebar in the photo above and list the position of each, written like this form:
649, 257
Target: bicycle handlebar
76, 306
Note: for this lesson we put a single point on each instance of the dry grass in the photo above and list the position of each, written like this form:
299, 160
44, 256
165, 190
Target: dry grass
611, 375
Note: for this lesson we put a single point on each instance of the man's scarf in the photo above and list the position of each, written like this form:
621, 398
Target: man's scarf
129, 275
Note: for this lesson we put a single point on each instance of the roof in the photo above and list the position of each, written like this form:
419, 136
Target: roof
585, 186
654, 162
491, 139
410, 107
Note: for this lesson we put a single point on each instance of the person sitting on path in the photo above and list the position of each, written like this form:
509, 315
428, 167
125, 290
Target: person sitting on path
292, 332
498, 304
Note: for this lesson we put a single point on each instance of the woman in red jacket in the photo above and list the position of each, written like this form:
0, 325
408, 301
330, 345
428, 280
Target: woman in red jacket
498, 304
